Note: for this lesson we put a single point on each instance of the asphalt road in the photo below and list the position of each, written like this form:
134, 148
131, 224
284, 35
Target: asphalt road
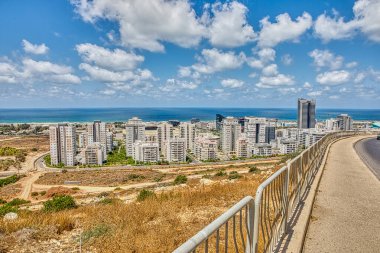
369, 151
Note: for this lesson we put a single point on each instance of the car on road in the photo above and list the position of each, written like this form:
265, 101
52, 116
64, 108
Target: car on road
378, 137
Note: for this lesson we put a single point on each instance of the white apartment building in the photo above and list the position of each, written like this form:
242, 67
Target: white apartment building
176, 150
93, 154
164, 132
242, 146
331, 125
146, 151
135, 130
260, 130
231, 130
206, 147
344, 122
262, 149
188, 133
96, 132
62, 144
82, 140
109, 136
288, 146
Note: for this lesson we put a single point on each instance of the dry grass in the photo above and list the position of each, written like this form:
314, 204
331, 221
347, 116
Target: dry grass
41, 142
155, 225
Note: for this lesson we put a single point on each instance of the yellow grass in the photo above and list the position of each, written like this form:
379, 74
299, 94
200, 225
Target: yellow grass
155, 225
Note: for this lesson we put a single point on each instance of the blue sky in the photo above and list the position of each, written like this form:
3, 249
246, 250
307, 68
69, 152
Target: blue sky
132, 53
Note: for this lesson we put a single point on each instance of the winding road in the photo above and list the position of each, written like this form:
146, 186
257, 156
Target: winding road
369, 151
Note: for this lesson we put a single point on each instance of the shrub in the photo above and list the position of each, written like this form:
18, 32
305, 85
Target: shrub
233, 172
220, 174
59, 203
103, 194
144, 194
159, 178
2, 201
42, 193
75, 188
117, 189
234, 176
64, 171
97, 231
9, 180
107, 201
34, 194
34, 149
253, 169
17, 202
180, 179
133, 177
4, 209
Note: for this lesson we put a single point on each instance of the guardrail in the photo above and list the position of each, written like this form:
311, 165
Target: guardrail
264, 218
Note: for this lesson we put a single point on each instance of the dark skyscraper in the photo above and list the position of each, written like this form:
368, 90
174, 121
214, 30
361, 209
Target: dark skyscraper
306, 113
219, 118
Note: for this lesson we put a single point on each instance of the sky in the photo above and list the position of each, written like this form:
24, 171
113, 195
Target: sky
182, 53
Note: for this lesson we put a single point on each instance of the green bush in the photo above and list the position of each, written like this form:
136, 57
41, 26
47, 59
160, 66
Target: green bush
34, 194
9, 180
253, 169
233, 172
234, 176
59, 203
144, 194
97, 231
220, 174
4, 209
158, 178
180, 179
17, 202
107, 201
2, 201
42, 193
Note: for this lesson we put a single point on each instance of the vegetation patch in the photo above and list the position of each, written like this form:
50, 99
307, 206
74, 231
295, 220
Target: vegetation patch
59, 203
12, 206
145, 194
9, 180
97, 231
180, 179
220, 173
253, 169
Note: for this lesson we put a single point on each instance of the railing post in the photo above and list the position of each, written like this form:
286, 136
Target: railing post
251, 222
299, 177
256, 219
286, 197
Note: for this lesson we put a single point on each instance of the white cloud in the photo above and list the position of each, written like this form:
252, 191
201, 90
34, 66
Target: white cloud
334, 97
34, 48
110, 59
147, 23
270, 70
48, 71
366, 20
314, 93
109, 76
307, 85
184, 71
214, 60
360, 77
352, 64
8, 73
284, 29
275, 81
229, 27
324, 58
333, 77
232, 83
289, 90
287, 59
265, 55
173, 86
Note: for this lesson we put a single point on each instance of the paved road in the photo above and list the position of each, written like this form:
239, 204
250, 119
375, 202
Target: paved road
346, 212
369, 151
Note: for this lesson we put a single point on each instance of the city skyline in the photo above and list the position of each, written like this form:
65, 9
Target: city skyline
80, 54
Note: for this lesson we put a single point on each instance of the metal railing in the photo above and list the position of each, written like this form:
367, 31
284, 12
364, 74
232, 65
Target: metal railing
261, 222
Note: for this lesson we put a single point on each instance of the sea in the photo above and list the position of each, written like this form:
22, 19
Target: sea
164, 114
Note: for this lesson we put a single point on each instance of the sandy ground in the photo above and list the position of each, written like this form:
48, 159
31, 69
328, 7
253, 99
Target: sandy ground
346, 212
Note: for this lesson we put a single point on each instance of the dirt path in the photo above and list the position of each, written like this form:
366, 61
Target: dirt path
27, 183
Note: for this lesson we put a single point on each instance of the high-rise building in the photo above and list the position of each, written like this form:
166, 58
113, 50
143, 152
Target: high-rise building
146, 151
62, 144
176, 150
344, 122
306, 113
255, 129
109, 142
242, 146
188, 133
165, 132
135, 131
231, 130
218, 121
96, 132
